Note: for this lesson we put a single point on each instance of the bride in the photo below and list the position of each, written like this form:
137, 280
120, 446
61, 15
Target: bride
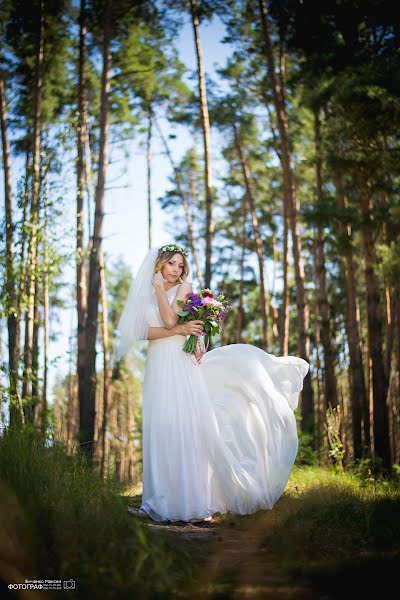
217, 436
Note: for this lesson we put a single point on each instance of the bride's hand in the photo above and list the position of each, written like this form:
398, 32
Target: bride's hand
158, 280
192, 327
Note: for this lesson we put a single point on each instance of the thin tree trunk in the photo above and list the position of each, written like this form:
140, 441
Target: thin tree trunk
70, 427
185, 204
375, 334
303, 319
285, 298
264, 304
88, 407
33, 416
358, 391
331, 398
273, 311
320, 394
240, 313
396, 415
10, 284
22, 283
205, 122
106, 364
37, 130
82, 183
44, 419
391, 309
149, 134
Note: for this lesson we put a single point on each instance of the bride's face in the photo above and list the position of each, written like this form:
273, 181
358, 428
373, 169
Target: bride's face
173, 269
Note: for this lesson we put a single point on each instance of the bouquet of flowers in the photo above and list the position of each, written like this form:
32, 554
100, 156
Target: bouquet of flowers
203, 306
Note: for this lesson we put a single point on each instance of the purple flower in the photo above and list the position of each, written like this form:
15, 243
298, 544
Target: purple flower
195, 299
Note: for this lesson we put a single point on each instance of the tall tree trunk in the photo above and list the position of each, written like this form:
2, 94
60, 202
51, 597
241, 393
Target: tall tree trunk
35, 360
82, 184
358, 391
185, 204
205, 122
264, 304
240, 312
320, 401
10, 283
34, 217
149, 135
391, 309
307, 417
88, 407
273, 311
375, 333
284, 339
44, 419
396, 407
322, 293
106, 364
22, 284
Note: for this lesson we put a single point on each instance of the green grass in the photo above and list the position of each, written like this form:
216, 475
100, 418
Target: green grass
339, 532
60, 520
326, 517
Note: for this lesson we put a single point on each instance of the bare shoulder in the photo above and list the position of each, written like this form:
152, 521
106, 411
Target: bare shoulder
186, 284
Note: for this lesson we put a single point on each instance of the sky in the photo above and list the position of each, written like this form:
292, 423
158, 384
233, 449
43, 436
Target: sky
126, 228
125, 223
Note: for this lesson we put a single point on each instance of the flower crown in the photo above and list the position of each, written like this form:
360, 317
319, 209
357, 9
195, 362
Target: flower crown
174, 248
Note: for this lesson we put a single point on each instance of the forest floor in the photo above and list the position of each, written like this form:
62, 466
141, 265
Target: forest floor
230, 563
331, 535
297, 550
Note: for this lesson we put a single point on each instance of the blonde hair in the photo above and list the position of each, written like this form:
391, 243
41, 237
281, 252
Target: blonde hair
165, 256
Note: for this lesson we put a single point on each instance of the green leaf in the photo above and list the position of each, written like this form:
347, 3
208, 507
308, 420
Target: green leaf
182, 313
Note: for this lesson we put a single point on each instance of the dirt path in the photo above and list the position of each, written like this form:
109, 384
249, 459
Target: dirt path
231, 562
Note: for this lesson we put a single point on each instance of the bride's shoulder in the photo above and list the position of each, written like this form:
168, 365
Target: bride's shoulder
185, 287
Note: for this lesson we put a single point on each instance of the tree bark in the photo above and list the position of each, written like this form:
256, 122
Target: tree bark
264, 304
88, 407
358, 392
307, 417
31, 407
82, 184
22, 276
240, 313
320, 402
331, 398
32, 253
205, 122
44, 416
273, 311
10, 279
284, 340
106, 365
375, 333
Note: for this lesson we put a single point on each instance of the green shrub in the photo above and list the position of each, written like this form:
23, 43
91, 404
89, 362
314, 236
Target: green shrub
306, 454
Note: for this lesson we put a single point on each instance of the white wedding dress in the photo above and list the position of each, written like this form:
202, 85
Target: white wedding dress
220, 436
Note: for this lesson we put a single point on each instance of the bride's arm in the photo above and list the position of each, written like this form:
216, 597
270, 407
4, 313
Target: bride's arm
169, 313
155, 333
